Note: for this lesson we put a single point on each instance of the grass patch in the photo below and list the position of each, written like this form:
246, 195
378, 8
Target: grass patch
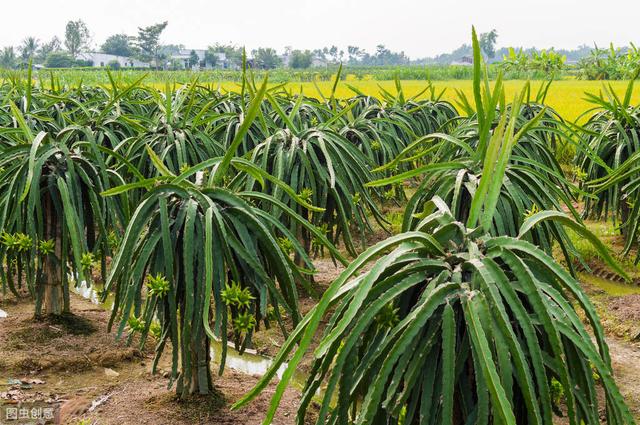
610, 237
610, 287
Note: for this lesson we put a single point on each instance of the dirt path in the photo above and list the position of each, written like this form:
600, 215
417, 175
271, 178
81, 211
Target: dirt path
625, 359
76, 366
619, 310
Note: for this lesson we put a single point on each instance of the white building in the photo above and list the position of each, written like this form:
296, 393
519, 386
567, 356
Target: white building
316, 61
285, 58
463, 61
103, 59
184, 57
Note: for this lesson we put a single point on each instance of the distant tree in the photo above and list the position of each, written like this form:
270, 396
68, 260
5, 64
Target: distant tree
233, 53
384, 56
119, 45
380, 54
114, 64
76, 37
333, 53
28, 48
488, 43
194, 59
170, 49
59, 60
210, 58
355, 54
175, 64
165, 54
148, 41
53, 45
573, 55
266, 58
382, 51
321, 53
455, 55
8, 57
82, 63
301, 59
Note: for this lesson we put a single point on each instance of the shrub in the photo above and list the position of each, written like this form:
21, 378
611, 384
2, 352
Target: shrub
59, 60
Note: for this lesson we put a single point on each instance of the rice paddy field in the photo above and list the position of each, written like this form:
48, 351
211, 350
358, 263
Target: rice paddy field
567, 97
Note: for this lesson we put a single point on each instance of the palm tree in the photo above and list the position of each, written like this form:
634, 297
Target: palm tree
7, 57
28, 48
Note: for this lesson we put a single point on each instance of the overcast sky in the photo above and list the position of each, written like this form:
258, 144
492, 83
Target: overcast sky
419, 27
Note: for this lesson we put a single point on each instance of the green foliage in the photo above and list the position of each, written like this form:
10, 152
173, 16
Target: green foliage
157, 285
286, 245
610, 64
76, 37
244, 322
46, 247
547, 62
185, 225
59, 60
87, 261
464, 343
266, 58
501, 158
211, 202
189, 237
382, 132
52, 176
454, 321
488, 43
235, 296
8, 58
155, 330
325, 169
232, 53
233, 73
119, 45
194, 60
28, 48
148, 41
136, 324
607, 161
300, 59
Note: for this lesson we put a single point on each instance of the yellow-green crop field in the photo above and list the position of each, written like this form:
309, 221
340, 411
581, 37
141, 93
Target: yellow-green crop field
565, 96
